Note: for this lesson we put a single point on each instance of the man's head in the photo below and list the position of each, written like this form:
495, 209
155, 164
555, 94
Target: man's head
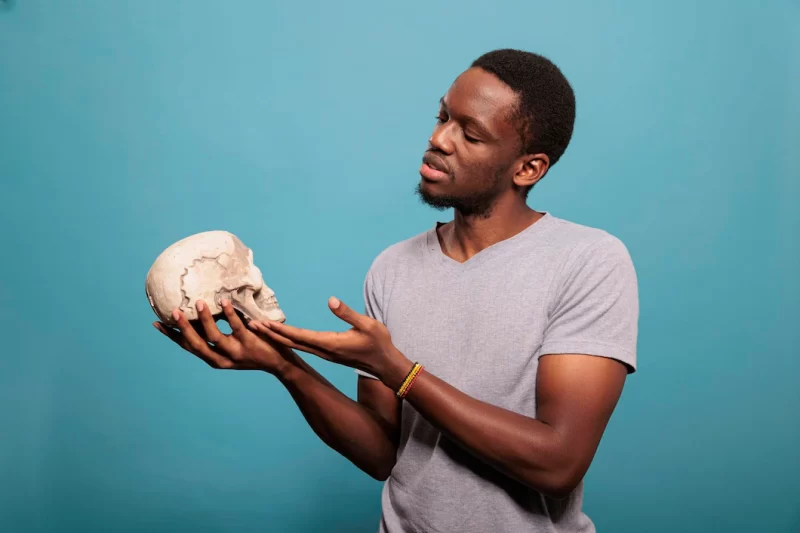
502, 124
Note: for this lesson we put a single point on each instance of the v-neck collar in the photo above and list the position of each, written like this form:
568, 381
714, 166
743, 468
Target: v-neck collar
435, 252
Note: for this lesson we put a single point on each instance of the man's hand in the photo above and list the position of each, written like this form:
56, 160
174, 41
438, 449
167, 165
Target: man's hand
366, 346
241, 350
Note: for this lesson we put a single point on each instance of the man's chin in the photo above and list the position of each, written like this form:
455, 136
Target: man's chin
439, 202
479, 205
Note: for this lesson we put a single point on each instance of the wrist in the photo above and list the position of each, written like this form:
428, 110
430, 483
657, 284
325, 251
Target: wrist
285, 369
396, 370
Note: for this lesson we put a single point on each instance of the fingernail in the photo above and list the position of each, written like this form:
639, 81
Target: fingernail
334, 302
225, 303
199, 306
176, 314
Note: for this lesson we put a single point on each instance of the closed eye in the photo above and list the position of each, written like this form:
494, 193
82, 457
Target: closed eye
441, 118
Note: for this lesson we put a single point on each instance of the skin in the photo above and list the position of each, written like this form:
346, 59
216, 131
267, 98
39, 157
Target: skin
477, 144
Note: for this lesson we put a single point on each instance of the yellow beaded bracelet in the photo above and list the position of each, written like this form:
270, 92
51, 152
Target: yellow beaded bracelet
413, 380
407, 379
412, 375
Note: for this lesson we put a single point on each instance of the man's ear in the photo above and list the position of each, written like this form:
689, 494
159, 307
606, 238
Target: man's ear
533, 168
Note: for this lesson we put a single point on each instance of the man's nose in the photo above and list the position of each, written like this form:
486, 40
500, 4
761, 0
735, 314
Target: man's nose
440, 141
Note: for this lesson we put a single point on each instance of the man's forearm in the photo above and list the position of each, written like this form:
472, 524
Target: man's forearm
342, 423
523, 448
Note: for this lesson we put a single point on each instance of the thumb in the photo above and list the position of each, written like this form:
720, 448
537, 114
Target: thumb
345, 313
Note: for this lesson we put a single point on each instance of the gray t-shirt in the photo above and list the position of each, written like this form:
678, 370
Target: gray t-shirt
481, 326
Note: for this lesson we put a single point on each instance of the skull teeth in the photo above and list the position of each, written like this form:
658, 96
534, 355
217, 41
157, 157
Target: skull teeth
269, 304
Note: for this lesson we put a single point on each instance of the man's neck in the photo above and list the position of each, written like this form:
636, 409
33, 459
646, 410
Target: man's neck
465, 236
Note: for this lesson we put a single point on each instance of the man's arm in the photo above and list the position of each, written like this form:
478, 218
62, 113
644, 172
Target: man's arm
365, 432
576, 395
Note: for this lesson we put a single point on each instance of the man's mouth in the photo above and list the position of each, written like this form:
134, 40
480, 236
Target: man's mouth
433, 168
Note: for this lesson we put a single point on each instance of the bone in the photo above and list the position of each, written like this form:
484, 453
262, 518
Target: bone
209, 266
242, 300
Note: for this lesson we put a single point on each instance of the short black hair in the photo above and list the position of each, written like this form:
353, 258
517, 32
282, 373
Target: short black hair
546, 110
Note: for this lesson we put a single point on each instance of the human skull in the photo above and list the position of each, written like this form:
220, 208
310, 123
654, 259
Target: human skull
209, 266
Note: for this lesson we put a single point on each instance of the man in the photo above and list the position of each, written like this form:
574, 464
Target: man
523, 325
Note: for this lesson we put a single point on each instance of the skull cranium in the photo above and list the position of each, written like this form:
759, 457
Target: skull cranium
209, 266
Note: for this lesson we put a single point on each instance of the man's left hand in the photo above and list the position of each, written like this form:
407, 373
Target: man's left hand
366, 346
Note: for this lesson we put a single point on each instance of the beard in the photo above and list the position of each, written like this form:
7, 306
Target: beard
471, 204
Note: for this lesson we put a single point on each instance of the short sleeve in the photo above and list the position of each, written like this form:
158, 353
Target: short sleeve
372, 306
594, 309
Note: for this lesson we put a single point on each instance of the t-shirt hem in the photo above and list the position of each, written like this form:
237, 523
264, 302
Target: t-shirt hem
600, 349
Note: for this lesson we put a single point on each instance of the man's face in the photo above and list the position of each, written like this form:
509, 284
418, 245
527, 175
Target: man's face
472, 154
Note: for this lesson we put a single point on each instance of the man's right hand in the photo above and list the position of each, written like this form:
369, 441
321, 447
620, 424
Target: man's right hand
241, 350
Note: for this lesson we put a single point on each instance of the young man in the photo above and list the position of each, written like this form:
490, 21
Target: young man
523, 325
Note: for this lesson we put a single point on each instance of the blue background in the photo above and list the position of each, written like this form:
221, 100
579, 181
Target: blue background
125, 126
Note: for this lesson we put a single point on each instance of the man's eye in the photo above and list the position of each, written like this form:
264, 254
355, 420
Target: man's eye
471, 139
441, 119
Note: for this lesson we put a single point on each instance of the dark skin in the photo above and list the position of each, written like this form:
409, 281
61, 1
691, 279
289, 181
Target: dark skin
477, 145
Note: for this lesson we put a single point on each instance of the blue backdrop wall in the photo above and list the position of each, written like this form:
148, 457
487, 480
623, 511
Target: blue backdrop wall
125, 126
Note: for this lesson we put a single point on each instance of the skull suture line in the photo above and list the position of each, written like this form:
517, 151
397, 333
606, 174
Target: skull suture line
209, 266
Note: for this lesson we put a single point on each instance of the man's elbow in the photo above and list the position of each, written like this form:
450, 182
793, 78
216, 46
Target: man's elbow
562, 489
560, 483
380, 474
379, 471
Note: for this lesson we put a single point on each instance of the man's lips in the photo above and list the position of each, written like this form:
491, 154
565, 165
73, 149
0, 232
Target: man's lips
433, 168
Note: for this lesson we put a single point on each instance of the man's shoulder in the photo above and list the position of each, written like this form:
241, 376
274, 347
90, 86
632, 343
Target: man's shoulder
570, 233
577, 238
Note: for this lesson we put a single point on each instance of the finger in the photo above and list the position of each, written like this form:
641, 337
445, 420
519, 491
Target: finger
197, 345
271, 334
260, 330
181, 341
357, 320
263, 330
198, 327
236, 324
256, 325
325, 340
173, 335
209, 325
